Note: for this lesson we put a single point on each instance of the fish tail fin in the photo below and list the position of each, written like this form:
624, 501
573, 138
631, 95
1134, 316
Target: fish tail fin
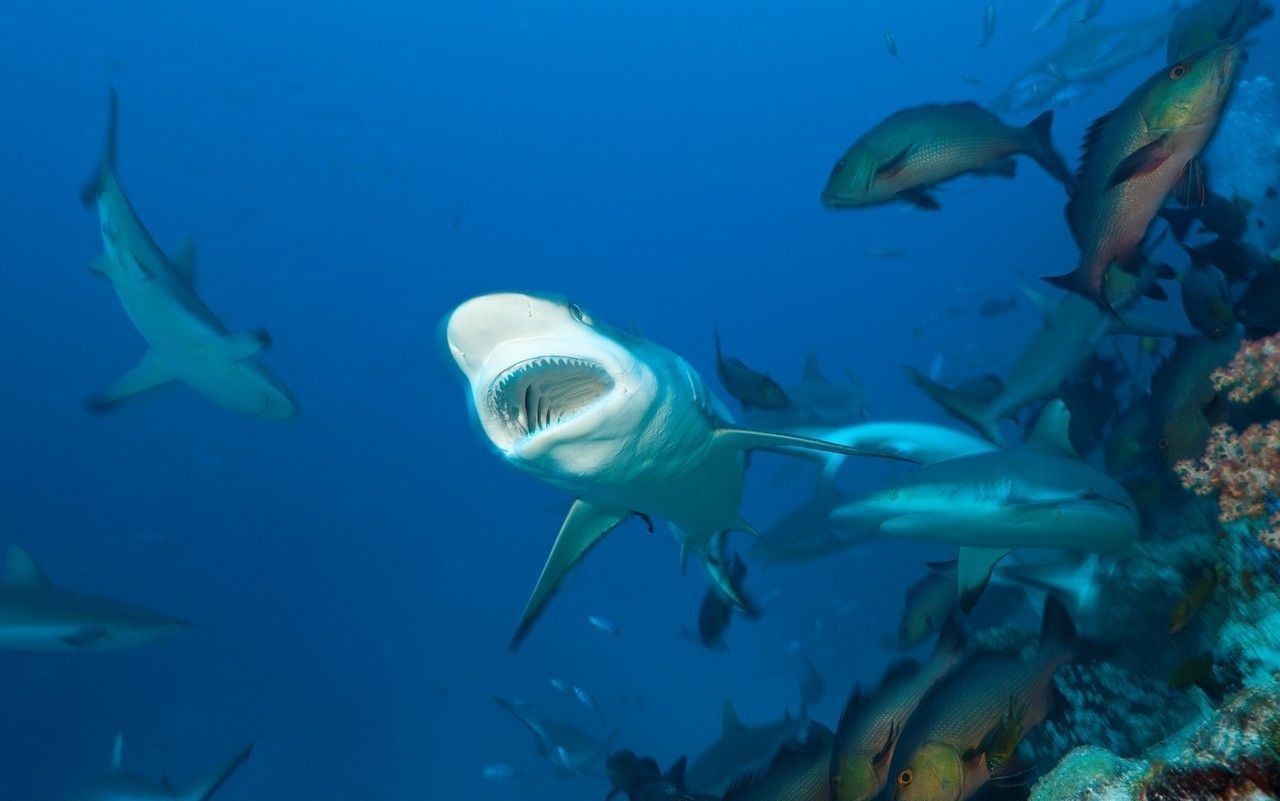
1078, 282
107, 166
205, 788
1045, 154
960, 405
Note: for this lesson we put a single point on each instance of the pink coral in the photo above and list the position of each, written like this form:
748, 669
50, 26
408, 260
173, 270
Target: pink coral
1254, 370
1243, 470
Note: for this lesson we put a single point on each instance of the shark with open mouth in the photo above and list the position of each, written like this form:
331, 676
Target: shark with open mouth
625, 425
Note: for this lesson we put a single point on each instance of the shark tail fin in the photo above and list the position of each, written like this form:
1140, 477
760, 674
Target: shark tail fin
205, 788
960, 405
93, 187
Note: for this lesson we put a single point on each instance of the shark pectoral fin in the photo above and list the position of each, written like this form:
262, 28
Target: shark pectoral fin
184, 261
204, 789
86, 637
247, 345
149, 374
748, 439
973, 571
585, 526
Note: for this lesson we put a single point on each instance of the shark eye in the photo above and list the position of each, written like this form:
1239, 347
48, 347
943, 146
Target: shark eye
576, 311
904, 778
836, 169
1178, 71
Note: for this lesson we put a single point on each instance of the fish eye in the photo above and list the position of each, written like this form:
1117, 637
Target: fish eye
1178, 71
904, 778
576, 311
835, 780
1163, 444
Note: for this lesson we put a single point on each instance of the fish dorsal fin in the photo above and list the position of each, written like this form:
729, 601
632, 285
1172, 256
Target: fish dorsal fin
117, 753
812, 372
184, 261
1090, 143
1052, 431
729, 719
899, 670
21, 572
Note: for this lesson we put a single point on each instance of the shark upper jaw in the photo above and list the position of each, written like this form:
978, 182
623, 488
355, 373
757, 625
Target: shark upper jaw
542, 373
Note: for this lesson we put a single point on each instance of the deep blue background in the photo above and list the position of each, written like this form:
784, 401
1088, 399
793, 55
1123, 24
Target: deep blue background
350, 174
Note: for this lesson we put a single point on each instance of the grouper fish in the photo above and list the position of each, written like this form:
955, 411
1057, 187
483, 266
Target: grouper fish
187, 343
968, 727
914, 150
871, 726
1135, 156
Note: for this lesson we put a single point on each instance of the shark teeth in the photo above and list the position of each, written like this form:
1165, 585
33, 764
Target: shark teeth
538, 394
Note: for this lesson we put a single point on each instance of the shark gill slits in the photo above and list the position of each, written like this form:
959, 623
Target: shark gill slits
540, 393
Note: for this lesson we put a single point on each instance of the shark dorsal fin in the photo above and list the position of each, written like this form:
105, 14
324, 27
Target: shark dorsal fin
1052, 431
812, 372
729, 719
21, 572
117, 753
184, 261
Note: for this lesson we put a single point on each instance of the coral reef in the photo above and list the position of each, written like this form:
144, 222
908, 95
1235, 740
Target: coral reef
1231, 754
1243, 468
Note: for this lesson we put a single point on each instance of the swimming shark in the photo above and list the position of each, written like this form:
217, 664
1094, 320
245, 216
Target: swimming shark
120, 785
187, 343
807, 531
740, 750
1070, 332
625, 425
571, 751
37, 616
1041, 495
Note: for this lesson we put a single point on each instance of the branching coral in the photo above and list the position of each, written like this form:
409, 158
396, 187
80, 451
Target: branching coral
1254, 370
1243, 468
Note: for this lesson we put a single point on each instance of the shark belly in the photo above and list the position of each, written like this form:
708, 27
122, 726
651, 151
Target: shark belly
197, 353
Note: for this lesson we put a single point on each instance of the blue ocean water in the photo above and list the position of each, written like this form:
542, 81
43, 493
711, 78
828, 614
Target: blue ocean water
350, 174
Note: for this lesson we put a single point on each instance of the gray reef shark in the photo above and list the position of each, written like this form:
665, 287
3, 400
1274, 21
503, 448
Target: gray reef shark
1041, 495
120, 785
1070, 332
571, 751
37, 616
807, 532
187, 343
740, 750
625, 425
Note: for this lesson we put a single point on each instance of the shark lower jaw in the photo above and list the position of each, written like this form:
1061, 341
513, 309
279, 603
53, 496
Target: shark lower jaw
540, 396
